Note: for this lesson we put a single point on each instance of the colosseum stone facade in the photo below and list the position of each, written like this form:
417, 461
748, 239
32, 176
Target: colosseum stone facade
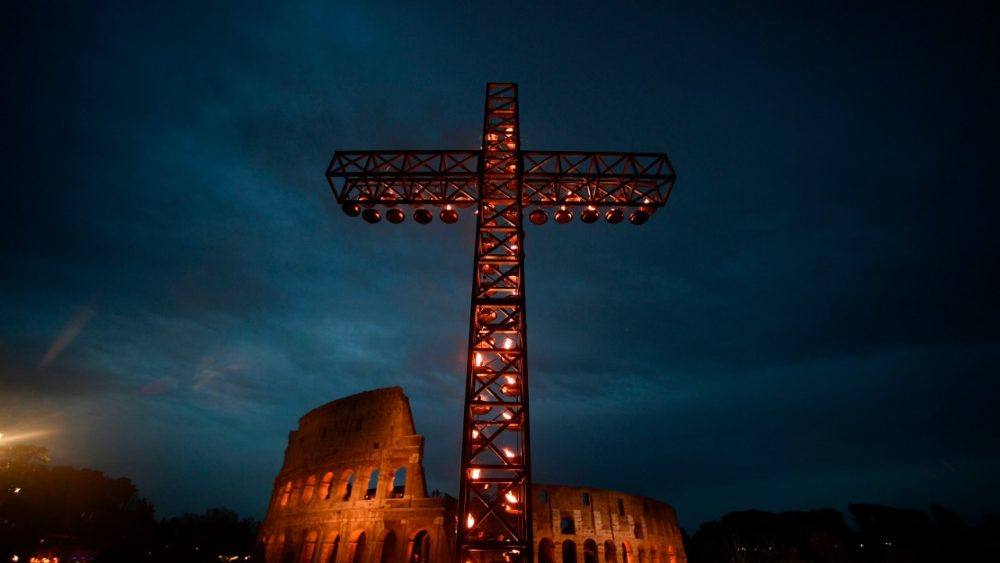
352, 490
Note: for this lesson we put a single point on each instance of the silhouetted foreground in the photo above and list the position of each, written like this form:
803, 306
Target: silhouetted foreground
82, 515
882, 534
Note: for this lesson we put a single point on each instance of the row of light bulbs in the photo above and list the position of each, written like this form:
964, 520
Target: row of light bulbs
449, 215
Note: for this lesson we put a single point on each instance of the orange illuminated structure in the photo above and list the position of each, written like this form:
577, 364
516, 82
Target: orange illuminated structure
501, 180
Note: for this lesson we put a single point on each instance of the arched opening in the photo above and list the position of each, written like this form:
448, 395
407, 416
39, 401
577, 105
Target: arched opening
326, 485
546, 551
286, 494
398, 483
308, 547
288, 549
275, 549
296, 491
328, 551
671, 554
388, 548
372, 485
420, 551
359, 548
609, 552
307, 493
642, 555
626, 556
347, 484
637, 530
569, 551
590, 551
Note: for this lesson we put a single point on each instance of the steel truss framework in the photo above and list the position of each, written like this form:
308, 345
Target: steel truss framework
500, 180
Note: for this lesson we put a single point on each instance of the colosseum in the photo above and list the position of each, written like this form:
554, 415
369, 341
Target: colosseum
352, 490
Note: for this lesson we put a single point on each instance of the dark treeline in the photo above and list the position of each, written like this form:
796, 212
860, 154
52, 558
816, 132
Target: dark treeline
879, 534
67, 511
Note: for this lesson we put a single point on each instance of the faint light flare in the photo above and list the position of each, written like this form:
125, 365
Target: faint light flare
29, 435
73, 327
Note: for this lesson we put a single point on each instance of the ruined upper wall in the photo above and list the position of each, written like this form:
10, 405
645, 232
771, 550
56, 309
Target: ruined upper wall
587, 525
349, 427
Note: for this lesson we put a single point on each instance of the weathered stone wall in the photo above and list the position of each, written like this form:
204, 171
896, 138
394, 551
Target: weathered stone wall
582, 525
352, 488
328, 508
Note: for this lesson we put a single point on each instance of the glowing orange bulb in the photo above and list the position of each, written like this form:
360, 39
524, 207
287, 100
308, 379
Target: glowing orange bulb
475, 474
508, 415
479, 359
470, 521
510, 497
508, 344
507, 452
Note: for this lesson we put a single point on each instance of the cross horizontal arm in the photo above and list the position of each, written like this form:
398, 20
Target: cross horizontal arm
599, 179
405, 177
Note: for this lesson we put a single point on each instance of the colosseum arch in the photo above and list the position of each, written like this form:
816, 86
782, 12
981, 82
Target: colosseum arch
387, 547
308, 547
398, 484
286, 494
307, 492
626, 552
328, 549
372, 489
420, 547
326, 486
590, 551
296, 492
546, 551
359, 547
609, 552
569, 551
346, 484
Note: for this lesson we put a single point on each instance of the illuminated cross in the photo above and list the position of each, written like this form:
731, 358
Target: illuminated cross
501, 180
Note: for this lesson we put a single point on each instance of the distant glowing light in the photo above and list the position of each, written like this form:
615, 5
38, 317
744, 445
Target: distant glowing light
508, 415
511, 379
479, 359
508, 452
475, 474
17, 490
508, 344
511, 498
470, 521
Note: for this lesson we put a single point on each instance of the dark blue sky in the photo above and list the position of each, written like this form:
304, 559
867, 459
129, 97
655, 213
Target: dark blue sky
812, 321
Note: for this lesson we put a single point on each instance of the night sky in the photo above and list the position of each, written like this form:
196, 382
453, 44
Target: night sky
811, 321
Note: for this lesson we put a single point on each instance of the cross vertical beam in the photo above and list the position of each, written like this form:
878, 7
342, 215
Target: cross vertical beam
495, 488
